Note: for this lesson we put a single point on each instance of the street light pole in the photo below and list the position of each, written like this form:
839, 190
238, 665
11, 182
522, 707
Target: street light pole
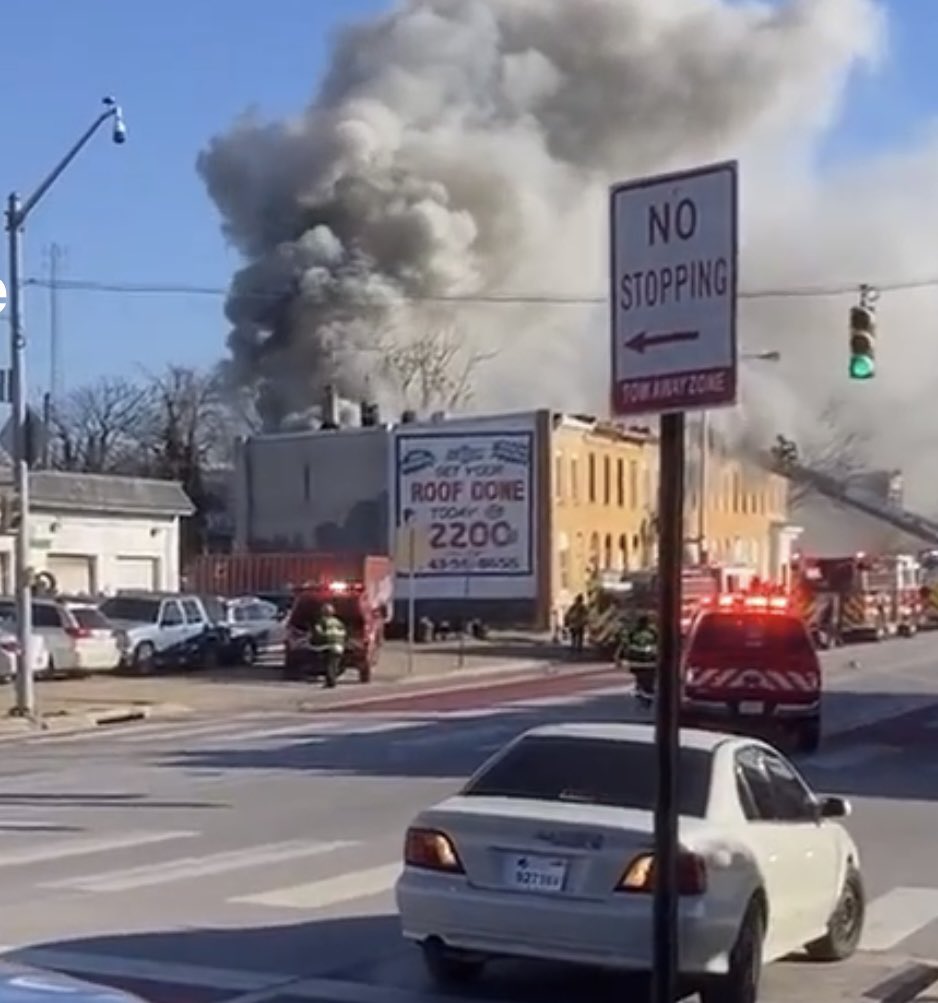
16, 215
703, 455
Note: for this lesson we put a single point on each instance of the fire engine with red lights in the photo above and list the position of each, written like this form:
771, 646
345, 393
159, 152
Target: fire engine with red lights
858, 597
358, 586
749, 664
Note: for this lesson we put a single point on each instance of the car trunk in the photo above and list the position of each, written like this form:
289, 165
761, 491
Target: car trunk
559, 848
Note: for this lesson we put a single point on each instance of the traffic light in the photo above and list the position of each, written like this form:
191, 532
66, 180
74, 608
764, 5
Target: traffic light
862, 343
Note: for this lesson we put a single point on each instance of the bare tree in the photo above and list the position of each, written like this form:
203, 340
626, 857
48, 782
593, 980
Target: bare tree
97, 428
432, 368
186, 436
837, 449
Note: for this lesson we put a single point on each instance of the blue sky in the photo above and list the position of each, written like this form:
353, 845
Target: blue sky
184, 71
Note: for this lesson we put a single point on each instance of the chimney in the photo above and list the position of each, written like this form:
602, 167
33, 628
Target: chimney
329, 415
369, 413
408, 417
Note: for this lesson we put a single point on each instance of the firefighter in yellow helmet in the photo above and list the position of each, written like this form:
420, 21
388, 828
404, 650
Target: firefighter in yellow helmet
328, 640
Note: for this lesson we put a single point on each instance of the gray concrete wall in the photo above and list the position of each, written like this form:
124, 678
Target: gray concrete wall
324, 491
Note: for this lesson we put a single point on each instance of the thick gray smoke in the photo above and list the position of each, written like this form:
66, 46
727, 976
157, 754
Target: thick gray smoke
464, 148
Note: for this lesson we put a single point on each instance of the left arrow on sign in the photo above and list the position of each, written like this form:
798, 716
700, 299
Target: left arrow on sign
639, 342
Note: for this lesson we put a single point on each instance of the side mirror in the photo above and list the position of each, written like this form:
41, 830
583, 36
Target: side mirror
833, 807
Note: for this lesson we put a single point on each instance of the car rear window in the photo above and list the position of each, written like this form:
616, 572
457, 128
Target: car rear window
308, 609
89, 618
131, 608
615, 774
742, 633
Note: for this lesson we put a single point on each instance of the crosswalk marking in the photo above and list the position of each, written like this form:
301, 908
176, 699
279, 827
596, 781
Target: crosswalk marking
897, 915
106, 966
328, 891
60, 849
195, 867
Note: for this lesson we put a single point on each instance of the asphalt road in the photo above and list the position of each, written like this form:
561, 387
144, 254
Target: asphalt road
252, 858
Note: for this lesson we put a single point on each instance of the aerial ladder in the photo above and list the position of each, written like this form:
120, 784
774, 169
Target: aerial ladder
783, 459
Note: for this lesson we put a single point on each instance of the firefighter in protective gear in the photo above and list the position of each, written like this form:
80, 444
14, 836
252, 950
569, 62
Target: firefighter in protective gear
328, 641
575, 623
641, 654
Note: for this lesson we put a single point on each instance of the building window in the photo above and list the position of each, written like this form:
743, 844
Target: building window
649, 498
608, 564
574, 481
594, 551
607, 481
623, 560
737, 499
633, 485
558, 477
563, 563
620, 483
591, 476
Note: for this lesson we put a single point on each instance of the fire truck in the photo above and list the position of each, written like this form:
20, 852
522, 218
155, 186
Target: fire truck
616, 600
858, 597
928, 590
358, 586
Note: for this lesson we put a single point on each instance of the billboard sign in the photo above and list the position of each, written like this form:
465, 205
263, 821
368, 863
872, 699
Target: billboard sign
472, 496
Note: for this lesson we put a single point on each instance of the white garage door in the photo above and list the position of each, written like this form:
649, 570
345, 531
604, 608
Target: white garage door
136, 573
72, 573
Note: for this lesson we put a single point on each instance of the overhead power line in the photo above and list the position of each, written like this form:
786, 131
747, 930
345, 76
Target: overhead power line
542, 299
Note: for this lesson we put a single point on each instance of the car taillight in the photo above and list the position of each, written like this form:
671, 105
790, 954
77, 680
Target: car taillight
77, 633
431, 851
640, 875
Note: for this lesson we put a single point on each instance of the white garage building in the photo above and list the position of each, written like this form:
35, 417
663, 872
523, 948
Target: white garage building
96, 533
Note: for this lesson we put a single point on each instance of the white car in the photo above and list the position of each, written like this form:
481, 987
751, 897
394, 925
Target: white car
545, 854
69, 645
9, 648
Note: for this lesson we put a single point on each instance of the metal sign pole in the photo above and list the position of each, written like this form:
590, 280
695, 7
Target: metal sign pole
668, 687
411, 596
673, 264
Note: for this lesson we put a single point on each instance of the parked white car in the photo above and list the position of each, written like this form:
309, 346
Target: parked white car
69, 646
9, 647
545, 854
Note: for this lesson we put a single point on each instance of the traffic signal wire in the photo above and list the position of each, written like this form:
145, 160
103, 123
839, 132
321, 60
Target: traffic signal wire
492, 299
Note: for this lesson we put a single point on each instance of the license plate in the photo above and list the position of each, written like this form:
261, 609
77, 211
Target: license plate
536, 874
751, 707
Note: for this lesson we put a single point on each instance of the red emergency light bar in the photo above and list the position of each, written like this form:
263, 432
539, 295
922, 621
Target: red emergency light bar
774, 604
336, 588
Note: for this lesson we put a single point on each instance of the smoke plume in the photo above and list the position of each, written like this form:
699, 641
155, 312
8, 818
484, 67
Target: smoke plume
463, 148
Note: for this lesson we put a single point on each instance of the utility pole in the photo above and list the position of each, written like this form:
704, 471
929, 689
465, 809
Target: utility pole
53, 396
56, 258
16, 215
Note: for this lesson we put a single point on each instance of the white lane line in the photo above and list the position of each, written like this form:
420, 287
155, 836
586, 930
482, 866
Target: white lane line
197, 867
329, 891
104, 966
896, 915
86, 847
250, 986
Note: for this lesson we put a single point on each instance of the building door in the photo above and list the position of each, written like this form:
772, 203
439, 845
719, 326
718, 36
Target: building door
73, 573
136, 573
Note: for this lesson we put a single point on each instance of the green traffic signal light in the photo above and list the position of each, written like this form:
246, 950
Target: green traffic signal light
862, 367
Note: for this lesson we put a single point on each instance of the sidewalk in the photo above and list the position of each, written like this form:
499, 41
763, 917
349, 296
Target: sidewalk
112, 698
